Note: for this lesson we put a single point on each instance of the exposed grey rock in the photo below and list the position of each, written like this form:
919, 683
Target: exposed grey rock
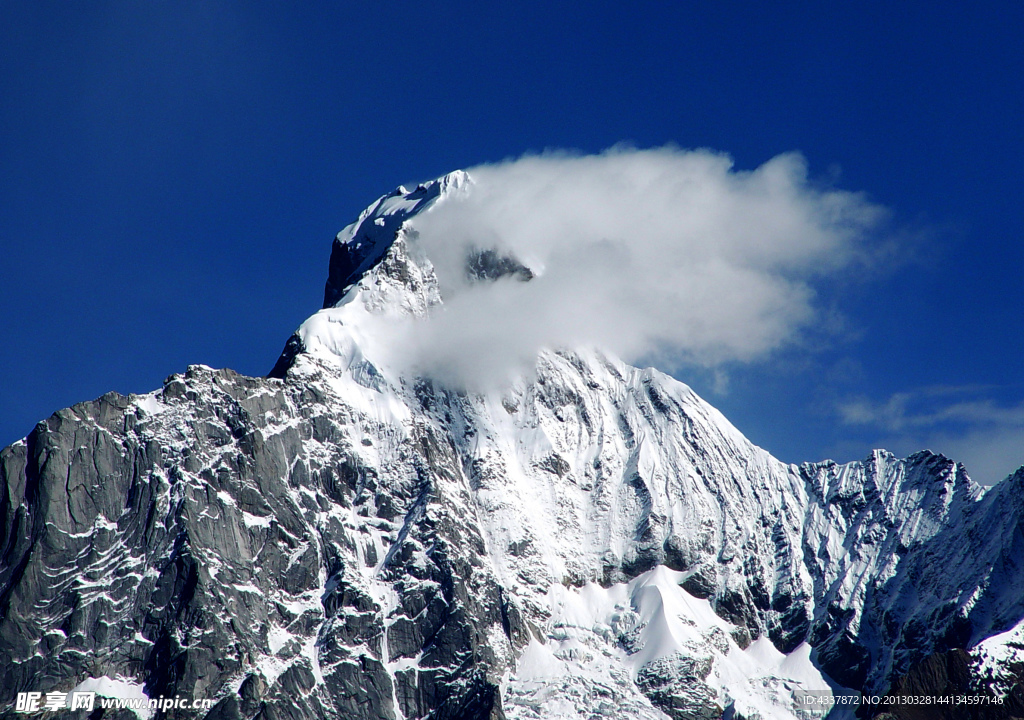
182, 547
491, 265
675, 684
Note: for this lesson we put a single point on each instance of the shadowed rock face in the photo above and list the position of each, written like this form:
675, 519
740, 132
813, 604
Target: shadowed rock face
945, 681
482, 265
349, 261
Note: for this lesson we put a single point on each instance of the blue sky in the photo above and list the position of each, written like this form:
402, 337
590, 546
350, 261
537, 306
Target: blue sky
172, 174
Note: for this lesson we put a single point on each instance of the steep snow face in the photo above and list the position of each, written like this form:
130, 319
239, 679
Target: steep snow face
999, 660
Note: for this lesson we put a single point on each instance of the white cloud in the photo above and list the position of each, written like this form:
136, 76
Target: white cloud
664, 254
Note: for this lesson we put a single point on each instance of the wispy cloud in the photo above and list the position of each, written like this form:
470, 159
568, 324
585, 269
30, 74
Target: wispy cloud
927, 407
661, 255
962, 422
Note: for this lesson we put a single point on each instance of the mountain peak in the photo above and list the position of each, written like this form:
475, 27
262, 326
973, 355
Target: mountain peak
363, 244
369, 542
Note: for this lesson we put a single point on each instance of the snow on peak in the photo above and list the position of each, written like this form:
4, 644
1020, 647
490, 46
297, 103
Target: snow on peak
364, 243
377, 273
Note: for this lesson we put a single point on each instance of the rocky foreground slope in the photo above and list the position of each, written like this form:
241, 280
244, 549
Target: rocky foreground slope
592, 540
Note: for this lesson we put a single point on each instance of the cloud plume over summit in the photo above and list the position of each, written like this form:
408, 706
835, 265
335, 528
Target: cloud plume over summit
663, 254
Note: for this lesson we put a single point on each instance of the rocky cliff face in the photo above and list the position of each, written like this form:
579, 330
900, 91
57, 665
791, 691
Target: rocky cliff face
341, 540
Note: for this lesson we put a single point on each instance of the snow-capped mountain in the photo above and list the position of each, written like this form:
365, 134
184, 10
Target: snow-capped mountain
346, 539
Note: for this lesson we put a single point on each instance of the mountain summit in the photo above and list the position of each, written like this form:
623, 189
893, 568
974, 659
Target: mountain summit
363, 244
347, 539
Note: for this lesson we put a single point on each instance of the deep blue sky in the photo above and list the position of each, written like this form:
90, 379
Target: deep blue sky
172, 174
